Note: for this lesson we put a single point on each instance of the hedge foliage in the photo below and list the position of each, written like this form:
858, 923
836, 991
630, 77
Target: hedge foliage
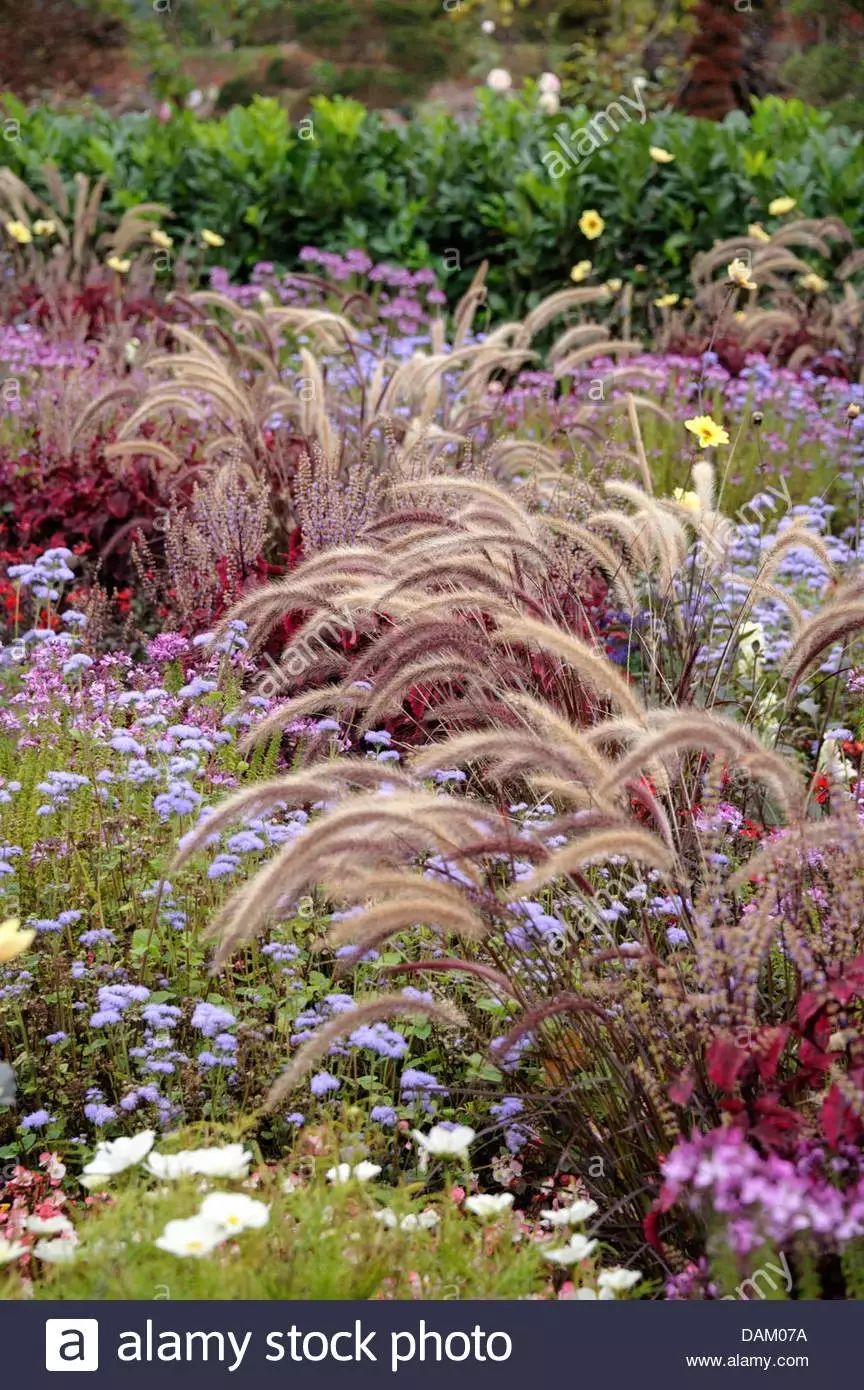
414, 193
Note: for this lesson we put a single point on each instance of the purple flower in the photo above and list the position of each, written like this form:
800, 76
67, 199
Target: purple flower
211, 1019
37, 1119
383, 1115
322, 1082
99, 1114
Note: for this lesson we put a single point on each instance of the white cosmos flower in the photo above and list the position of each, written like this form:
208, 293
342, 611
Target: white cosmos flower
49, 1225
363, 1172
234, 1212
60, 1251
577, 1248
10, 1250
573, 1215
229, 1161
549, 103
549, 82
114, 1156
618, 1280
445, 1143
499, 80
424, 1222
195, 1236
487, 1207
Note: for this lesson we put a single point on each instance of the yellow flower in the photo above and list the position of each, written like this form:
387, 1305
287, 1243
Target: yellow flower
687, 499
119, 263
13, 941
707, 431
160, 238
212, 238
19, 232
758, 232
852, 411
739, 316
778, 206
659, 155
666, 301
739, 273
580, 271
812, 281
44, 226
591, 224
614, 285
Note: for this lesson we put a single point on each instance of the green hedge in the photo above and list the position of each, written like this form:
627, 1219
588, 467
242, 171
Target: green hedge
412, 193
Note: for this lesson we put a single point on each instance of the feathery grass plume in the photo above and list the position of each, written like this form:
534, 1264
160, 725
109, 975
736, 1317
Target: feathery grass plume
838, 621
390, 828
598, 674
686, 731
642, 846
319, 782
367, 1011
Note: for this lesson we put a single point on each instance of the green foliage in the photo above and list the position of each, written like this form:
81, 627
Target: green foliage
831, 71
480, 188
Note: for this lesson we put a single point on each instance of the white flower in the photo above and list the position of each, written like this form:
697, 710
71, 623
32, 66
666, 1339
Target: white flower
445, 1143
573, 1215
229, 1161
618, 1280
196, 1236
424, 1222
549, 83
487, 1206
499, 80
363, 1172
488, 26
751, 648
114, 1156
549, 103
49, 1225
234, 1212
577, 1248
10, 1250
56, 1252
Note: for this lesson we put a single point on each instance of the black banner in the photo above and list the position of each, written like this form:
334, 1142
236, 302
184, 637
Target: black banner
471, 1344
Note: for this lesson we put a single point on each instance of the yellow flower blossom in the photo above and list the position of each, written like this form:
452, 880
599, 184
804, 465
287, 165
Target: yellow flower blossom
19, 232
581, 270
13, 941
707, 431
160, 238
813, 282
778, 206
212, 238
614, 285
739, 273
659, 155
119, 263
687, 499
44, 226
591, 224
666, 301
758, 232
